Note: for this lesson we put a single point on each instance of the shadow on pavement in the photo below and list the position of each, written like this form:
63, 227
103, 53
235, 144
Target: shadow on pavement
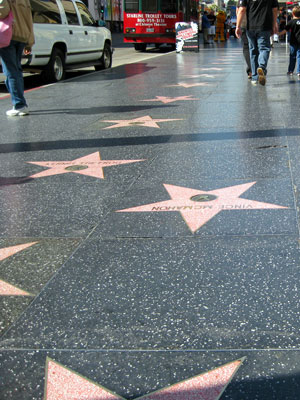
144, 140
98, 110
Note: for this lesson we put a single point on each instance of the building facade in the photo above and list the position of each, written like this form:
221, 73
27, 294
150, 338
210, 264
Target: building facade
110, 11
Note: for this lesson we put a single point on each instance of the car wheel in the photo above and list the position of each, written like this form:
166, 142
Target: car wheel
106, 58
140, 46
56, 68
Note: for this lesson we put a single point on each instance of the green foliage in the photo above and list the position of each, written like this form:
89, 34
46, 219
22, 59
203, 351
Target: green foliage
214, 7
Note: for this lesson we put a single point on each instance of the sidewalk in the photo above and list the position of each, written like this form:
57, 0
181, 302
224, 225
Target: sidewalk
150, 234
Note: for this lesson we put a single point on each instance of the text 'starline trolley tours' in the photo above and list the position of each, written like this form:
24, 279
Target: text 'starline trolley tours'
153, 21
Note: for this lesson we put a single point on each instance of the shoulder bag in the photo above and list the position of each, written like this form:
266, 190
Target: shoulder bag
6, 30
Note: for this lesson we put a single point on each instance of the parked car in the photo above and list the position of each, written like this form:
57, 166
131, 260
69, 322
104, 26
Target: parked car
66, 37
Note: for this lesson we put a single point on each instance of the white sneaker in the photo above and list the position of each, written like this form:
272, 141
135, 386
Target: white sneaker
18, 112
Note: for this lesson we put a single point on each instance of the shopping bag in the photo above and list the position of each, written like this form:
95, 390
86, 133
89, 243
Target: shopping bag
6, 30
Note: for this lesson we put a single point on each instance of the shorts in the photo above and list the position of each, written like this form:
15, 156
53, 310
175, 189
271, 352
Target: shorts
212, 30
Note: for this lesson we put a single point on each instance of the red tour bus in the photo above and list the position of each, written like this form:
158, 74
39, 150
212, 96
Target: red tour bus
153, 21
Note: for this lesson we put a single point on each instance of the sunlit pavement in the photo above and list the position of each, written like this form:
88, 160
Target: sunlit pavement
123, 53
150, 233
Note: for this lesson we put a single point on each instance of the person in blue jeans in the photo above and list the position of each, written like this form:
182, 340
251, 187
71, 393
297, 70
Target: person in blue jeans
22, 41
261, 25
293, 26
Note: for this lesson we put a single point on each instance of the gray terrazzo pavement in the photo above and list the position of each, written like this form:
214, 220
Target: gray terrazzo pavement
135, 300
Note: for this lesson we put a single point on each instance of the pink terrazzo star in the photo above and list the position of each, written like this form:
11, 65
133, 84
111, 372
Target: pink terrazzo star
9, 251
90, 165
201, 76
208, 386
141, 121
227, 63
63, 384
189, 85
229, 58
6, 289
197, 207
171, 99
211, 69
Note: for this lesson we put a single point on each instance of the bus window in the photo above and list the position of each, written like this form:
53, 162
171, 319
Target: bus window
132, 5
149, 5
169, 6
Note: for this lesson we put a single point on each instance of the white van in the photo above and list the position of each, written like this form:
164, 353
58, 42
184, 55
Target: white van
66, 37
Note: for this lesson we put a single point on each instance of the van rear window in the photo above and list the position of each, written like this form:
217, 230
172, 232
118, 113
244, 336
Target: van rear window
86, 17
71, 13
45, 12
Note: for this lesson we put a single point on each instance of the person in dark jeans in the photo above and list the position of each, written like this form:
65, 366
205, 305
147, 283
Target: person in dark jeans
293, 26
245, 42
22, 40
261, 24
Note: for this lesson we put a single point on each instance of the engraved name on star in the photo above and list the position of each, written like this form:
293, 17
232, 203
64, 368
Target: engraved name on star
141, 121
62, 383
166, 100
90, 165
197, 207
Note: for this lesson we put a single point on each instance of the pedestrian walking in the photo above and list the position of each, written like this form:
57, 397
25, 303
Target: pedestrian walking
293, 26
245, 42
261, 24
22, 41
